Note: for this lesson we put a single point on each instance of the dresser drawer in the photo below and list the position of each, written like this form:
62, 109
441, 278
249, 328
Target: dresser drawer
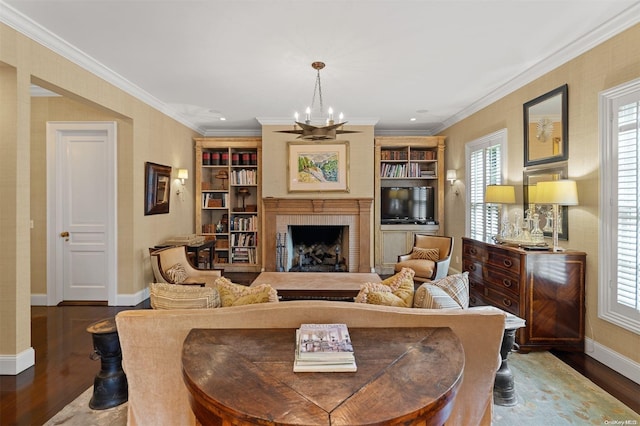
502, 301
473, 267
502, 281
473, 250
503, 259
475, 296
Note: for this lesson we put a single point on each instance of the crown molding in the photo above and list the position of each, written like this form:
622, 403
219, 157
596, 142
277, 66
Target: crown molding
25, 25
288, 121
624, 20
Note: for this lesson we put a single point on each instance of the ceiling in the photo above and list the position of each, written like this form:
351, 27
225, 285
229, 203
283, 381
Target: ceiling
387, 61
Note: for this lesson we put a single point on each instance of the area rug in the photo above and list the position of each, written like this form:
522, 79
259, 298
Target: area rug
549, 393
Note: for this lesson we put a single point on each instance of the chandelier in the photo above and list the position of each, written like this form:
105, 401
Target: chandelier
313, 132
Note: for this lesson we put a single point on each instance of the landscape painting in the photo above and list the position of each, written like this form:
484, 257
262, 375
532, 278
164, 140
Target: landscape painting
318, 167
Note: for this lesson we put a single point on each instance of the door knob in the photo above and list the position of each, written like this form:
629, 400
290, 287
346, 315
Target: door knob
64, 234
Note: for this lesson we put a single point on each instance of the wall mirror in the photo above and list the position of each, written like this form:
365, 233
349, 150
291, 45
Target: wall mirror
157, 188
546, 128
545, 212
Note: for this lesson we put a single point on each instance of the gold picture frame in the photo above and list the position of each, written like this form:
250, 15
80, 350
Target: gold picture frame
318, 167
157, 189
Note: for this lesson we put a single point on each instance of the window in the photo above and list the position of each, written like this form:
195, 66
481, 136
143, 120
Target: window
485, 160
619, 250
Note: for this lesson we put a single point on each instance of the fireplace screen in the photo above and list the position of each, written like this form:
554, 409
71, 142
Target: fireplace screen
317, 248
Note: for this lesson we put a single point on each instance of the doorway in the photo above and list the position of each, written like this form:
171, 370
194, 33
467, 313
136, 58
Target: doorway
81, 212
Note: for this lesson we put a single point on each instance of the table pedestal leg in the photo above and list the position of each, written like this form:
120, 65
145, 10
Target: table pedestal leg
504, 392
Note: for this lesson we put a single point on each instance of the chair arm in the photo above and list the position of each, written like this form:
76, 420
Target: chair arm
441, 268
404, 257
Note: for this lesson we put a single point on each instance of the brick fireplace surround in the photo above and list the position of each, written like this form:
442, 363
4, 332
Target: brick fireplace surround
355, 213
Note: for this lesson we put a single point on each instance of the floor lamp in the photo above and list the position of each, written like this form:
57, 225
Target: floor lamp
557, 193
501, 194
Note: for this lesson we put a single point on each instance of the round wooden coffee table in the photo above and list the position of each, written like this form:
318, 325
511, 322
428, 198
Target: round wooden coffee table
245, 377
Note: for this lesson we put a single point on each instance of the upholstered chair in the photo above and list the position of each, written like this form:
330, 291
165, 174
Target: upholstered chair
172, 265
429, 258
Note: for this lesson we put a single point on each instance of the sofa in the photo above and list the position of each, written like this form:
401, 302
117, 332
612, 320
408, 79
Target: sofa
151, 342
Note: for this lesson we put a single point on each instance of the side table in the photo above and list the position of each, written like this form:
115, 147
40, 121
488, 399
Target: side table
504, 389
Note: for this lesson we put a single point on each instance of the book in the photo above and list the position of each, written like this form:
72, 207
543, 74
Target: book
324, 348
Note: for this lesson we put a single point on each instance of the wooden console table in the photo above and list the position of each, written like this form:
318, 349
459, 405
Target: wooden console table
545, 288
245, 377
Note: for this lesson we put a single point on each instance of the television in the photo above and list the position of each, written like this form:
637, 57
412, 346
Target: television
408, 204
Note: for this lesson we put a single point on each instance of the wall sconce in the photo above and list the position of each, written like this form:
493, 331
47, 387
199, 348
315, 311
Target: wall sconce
183, 174
452, 176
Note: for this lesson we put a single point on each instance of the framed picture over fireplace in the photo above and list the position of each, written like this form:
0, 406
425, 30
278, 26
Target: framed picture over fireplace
318, 167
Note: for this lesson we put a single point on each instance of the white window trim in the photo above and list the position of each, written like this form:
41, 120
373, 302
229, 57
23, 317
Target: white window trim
608, 308
498, 137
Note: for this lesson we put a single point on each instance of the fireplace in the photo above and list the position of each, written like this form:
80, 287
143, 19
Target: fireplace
314, 248
352, 215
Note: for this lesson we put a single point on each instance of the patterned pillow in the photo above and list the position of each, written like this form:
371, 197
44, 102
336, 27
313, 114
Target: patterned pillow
456, 286
177, 273
236, 294
176, 296
425, 253
396, 290
429, 296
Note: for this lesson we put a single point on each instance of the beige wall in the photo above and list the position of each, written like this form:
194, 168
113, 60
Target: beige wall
275, 155
144, 134
612, 63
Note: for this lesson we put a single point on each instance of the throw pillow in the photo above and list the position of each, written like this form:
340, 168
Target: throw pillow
456, 286
429, 296
176, 296
425, 253
236, 294
177, 273
396, 290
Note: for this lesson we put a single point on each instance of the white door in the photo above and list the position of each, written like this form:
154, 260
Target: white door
81, 217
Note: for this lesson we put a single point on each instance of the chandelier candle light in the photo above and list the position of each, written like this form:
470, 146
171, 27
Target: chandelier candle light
311, 132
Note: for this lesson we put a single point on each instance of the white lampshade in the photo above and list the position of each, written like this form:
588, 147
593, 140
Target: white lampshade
500, 194
183, 174
562, 192
452, 175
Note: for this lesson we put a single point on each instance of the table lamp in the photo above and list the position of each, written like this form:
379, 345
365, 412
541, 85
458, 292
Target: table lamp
557, 193
501, 194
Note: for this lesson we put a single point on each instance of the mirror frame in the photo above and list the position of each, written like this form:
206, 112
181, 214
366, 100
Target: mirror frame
531, 136
546, 174
157, 183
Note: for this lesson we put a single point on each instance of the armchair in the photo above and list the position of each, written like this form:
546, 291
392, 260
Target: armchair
163, 260
429, 265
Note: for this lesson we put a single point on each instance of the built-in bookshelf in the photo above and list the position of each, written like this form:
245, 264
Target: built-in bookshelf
228, 195
410, 179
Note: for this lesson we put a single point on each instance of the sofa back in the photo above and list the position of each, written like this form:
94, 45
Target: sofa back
151, 342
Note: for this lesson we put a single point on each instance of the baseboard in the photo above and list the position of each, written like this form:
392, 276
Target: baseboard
132, 299
12, 365
623, 365
38, 299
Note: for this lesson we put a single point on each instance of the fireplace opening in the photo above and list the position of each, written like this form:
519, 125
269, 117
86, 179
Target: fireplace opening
318, 248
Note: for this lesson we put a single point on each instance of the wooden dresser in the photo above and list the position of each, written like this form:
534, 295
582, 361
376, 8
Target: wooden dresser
542, 287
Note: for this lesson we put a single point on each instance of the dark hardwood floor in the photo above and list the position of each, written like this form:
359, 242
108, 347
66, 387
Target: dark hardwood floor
64, 370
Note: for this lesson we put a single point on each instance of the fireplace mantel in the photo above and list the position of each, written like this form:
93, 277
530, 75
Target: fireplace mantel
356, 210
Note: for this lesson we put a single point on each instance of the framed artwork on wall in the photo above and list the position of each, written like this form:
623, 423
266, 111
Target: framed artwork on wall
318, 167
546, 128
157, 188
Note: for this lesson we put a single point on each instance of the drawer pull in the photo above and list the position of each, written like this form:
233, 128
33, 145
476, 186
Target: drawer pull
472, 251
506, 282
472, 267
508, 263
506, 302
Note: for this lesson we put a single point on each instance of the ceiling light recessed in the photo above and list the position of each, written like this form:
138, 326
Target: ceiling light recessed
412, 119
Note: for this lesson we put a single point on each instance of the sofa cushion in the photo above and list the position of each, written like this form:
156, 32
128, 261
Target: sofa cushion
456, 286
429, 296
177, 273
425, 253
396, 290
176, 296
232, 294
